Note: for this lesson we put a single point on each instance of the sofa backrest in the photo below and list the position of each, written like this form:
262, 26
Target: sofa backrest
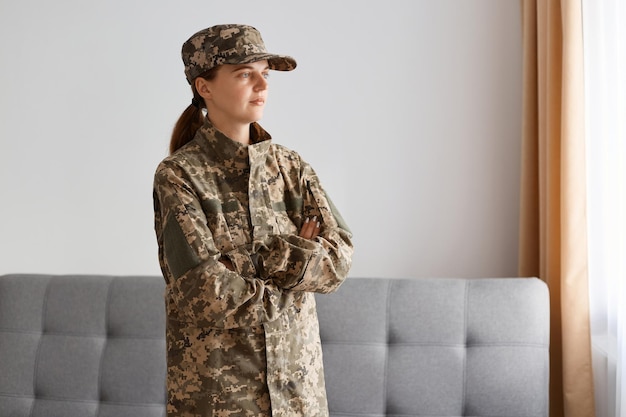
81, 346
94, 346
437, 347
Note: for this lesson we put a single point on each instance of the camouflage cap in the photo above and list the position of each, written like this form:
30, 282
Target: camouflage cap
228, 44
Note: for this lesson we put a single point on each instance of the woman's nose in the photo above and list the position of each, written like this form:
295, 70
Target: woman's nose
261, 83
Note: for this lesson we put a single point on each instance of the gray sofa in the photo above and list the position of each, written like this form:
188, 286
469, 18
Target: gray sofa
80, 346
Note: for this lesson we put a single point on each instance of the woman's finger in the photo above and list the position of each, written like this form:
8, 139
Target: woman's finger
316, 229
310, 228
306, 230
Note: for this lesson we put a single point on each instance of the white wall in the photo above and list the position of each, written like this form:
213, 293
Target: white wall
409, 111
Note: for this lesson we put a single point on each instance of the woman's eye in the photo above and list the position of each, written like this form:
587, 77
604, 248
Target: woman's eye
265, 75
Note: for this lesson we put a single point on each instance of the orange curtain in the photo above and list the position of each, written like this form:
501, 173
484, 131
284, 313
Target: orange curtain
553, 224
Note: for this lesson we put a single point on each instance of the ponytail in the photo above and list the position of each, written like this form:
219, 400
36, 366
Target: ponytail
185, 128
192, 118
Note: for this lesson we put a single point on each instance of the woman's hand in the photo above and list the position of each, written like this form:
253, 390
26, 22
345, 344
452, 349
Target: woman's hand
310, 228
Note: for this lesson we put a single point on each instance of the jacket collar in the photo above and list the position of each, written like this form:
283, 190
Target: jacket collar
221, 147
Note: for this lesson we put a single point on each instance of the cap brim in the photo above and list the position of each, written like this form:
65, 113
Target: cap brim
275, 62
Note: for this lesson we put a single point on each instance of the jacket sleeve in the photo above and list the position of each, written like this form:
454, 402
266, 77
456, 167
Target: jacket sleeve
201, 288
317, 265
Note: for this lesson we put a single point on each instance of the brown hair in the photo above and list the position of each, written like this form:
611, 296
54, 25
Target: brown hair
192, 118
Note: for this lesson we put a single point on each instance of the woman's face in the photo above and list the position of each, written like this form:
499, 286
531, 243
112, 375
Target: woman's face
237, 94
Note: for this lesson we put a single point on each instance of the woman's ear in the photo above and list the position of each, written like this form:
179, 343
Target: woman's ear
203, 88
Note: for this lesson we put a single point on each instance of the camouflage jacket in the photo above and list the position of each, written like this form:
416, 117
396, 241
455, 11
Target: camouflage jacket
244, 342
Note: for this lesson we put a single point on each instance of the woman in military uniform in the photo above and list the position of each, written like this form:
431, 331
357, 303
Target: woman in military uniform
246, 235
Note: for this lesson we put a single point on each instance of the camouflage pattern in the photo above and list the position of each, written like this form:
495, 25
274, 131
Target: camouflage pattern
244, 342
228, 44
